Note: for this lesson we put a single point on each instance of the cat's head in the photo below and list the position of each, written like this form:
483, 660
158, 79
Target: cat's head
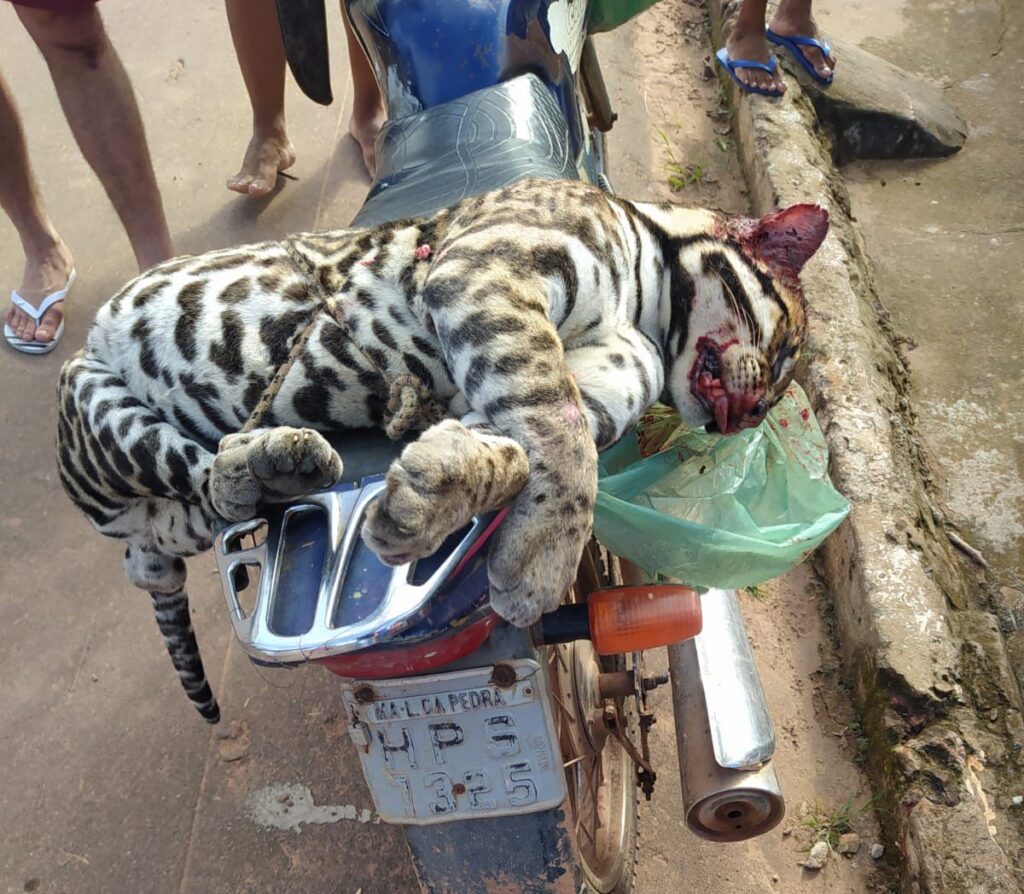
735, 357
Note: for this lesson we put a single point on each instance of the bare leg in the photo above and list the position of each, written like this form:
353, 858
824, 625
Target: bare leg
47, 259
747, 41
793, 19
256, 35
100, 107
368, 113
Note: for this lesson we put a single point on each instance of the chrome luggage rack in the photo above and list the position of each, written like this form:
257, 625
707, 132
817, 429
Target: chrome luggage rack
261, 631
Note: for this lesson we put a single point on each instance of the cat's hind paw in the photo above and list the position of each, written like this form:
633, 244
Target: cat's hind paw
290, 462
270, 466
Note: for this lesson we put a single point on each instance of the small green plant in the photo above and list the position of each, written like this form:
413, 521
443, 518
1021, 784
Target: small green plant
722, 96
680, 176
756, 593
827, 825
723, 144
860, 741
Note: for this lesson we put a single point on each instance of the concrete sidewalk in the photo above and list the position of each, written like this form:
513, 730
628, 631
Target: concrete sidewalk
946, 242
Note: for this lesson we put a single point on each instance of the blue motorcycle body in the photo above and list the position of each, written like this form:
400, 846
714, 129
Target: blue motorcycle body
480, 93
429, 52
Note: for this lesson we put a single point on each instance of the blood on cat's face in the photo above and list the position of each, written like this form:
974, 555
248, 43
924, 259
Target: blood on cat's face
747, 322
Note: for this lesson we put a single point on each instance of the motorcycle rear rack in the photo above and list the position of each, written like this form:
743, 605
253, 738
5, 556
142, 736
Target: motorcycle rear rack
344, 508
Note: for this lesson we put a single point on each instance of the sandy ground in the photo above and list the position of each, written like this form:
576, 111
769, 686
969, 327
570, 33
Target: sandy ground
110, 781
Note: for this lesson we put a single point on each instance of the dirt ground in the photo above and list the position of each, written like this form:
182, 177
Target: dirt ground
110, 781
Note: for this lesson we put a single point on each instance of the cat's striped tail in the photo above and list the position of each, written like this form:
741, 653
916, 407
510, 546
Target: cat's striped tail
163, 577
175, 624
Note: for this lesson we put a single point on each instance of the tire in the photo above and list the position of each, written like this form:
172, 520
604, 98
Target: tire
601, 776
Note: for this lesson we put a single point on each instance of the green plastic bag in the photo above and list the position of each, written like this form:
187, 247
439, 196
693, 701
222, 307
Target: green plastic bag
608, 14
716, 511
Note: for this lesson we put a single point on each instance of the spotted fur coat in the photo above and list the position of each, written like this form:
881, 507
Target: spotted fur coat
543, 319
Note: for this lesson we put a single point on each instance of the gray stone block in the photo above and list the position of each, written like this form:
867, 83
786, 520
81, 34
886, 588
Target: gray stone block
873, 109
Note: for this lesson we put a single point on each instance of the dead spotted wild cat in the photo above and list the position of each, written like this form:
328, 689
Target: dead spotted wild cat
543, 318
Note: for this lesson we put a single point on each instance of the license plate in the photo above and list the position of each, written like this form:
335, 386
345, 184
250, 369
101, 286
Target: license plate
456, 746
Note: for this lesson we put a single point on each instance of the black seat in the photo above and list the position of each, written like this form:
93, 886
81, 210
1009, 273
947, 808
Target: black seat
364, 452
468, 146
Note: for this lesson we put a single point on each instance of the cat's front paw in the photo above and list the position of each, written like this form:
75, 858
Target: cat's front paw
532, 564
438, 484
423, 501
399, 531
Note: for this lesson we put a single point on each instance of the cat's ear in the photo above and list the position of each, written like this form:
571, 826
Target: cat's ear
786, 239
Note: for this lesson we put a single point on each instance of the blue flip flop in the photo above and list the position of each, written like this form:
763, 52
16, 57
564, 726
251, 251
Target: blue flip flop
730, 65
793, 44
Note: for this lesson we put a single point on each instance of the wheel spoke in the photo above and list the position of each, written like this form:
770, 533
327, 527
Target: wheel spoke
570, 717
603, 829
560, 658
595, 796
589, 774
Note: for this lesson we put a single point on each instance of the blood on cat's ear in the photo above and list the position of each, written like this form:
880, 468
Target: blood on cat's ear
785, 239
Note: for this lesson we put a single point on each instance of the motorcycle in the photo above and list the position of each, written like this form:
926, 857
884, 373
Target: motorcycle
512, 758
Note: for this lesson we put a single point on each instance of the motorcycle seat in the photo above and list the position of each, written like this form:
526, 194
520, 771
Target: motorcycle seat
471, 145
364, 452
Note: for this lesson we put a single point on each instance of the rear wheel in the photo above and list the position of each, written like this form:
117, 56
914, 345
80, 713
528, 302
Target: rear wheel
600, 775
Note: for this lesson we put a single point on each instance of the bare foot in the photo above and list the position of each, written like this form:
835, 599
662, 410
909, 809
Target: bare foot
268, 153
365, 128
44, 274
754, 47
795, 22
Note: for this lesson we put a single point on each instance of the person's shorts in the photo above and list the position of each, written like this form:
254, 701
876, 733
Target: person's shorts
56, 5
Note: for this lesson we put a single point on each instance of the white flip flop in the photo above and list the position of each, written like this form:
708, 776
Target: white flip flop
38, 347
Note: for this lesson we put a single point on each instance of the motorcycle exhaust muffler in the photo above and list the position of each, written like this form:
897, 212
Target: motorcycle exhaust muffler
723, 729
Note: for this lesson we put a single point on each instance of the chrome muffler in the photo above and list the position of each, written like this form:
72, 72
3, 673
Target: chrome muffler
724, 732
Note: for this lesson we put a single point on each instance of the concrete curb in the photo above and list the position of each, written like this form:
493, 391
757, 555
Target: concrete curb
913, 642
